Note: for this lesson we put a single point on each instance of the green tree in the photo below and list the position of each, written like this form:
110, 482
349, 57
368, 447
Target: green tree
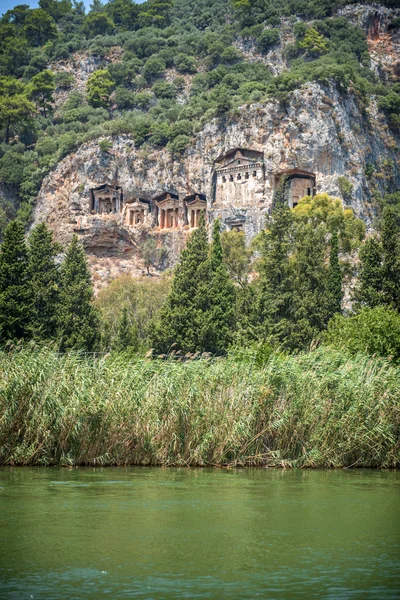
41, 89
379, 273
314, 43
15, 300
98, 87
126, 338
369, 290
124, 13
371, 331
335, 278
56, 8
217, 300
308, 299
267, 39
391, 256
236, 255
97, 23
275, 303
44, 283
78, 323
96, 6
39, 27
180, 320
155, 13
16, 112
154, 67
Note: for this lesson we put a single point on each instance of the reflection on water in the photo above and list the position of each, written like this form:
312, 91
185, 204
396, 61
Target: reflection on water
170, 533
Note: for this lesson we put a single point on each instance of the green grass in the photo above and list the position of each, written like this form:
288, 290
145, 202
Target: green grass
321, 409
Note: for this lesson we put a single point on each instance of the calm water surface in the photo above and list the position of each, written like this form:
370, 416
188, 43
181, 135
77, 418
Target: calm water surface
158, 533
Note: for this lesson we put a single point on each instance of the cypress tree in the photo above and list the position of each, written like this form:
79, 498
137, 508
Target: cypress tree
78, 320
218, 322
15, 301
391, 256
275, 305
180, 320
335, 279
44, 283
310, 296
369, 291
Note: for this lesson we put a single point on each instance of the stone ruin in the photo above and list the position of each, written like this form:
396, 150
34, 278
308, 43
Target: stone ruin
195, 205
242, 191
106, 199
297, 184
168, 211
240, 178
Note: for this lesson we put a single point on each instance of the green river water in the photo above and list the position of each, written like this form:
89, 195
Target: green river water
175, 533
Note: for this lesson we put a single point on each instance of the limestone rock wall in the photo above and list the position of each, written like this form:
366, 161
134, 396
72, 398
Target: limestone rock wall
321, 132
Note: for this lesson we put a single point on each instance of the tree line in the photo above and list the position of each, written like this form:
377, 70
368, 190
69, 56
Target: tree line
286, 291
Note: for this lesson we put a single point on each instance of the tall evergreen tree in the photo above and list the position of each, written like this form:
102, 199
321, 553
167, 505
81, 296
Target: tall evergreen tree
180, 320
335, 278
379, 274
78, 320
44, 283
218, 323
15, 301
310, 297
275, 305
369, 290
391, 256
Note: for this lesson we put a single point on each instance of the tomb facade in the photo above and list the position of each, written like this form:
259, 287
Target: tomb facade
298, 183
137, 212
106, 199
239, 178
236, 222
169, 213
195, 204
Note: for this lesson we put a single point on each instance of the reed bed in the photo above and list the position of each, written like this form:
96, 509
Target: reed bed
321, 409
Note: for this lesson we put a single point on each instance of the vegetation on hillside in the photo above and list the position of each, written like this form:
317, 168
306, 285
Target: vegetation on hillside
176, 64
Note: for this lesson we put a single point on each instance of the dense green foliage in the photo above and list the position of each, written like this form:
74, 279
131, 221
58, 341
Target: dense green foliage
78, 320
199, 314
165, 68
43, 300
322, 409
371, 331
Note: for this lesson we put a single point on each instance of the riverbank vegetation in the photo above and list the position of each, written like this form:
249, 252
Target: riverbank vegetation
253, 360
318, 409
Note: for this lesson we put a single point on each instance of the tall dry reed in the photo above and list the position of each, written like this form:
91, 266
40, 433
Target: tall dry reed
321, 409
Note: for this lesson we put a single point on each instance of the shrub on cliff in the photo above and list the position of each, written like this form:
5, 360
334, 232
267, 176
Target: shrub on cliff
98, 87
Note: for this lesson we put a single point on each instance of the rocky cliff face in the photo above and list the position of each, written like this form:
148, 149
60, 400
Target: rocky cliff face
322, 133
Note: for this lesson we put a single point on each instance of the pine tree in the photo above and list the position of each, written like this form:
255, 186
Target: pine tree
44, 283
180, 321
15, 302
127, 336
335, 278
78, 320
218, 322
